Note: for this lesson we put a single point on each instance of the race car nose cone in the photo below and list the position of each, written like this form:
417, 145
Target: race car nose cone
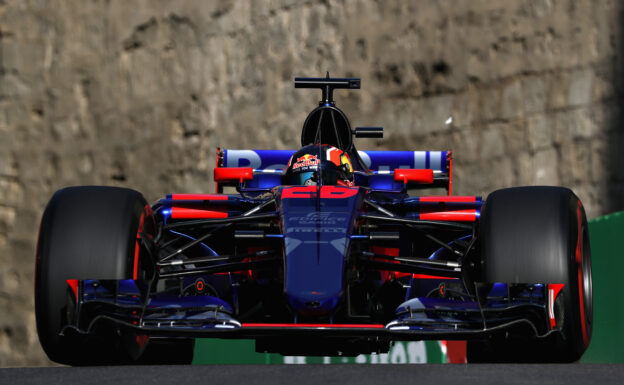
315, 276
316, 240
313, 304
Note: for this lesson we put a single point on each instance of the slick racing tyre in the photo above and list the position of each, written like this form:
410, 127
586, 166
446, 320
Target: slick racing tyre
87, 232
538, 235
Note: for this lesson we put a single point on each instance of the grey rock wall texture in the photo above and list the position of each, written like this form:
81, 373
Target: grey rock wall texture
139, 94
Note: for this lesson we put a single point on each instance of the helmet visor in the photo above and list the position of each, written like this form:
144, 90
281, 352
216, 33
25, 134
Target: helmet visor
303, 179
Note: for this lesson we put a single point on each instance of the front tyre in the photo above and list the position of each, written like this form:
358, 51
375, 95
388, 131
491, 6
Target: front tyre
89, 232
539, 235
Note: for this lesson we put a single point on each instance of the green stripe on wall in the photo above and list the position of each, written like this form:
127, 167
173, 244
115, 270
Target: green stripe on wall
607, 238
218, 351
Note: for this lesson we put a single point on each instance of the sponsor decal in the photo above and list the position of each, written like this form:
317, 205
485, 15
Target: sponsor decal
374, 160
306, 161
316, 230
318, 218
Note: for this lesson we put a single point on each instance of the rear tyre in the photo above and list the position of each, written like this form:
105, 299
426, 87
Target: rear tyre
89, 232
538, 235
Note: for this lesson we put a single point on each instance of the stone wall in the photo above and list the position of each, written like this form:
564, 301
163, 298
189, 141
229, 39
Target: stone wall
139, 94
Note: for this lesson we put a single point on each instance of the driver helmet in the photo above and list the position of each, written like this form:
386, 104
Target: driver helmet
311, 162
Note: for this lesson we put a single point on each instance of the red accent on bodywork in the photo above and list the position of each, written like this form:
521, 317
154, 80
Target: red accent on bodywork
200, 197
407, 175
326, 326
455, 215
393, 252
250, 250
327, 192
553, 291
436, 210
425, 276
135, 265
73, 283
336, 192
298, 192
184, 213
233, 174
141, 340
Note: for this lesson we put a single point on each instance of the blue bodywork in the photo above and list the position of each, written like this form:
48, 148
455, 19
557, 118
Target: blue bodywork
316, 247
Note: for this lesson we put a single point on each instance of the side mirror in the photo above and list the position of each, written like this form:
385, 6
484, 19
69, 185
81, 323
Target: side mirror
233, 174
368, 132
413, 176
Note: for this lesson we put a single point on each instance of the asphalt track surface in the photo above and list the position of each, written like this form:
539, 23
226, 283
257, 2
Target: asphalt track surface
439, 374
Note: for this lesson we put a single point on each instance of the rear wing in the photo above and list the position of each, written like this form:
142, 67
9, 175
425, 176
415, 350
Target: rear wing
269, 165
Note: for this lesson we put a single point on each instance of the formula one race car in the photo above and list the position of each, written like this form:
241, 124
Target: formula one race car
319, 251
